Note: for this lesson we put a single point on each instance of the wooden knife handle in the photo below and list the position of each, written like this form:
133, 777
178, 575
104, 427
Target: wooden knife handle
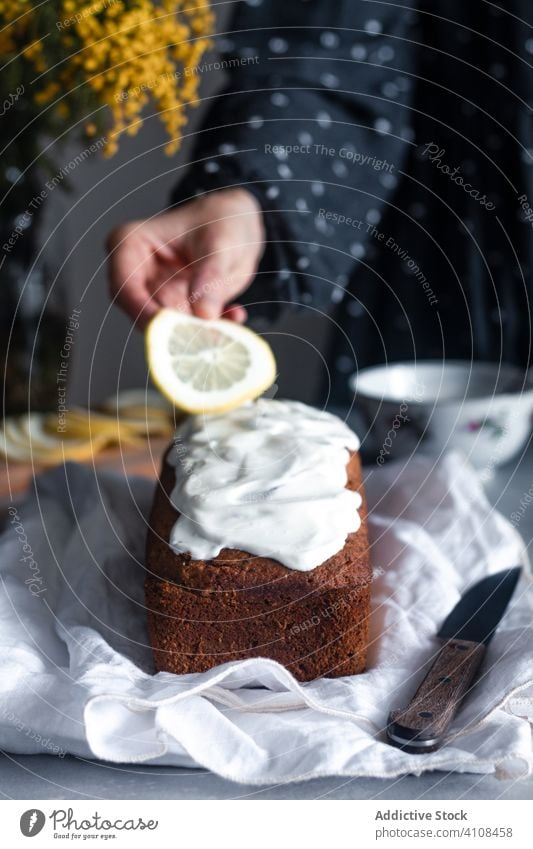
421, 726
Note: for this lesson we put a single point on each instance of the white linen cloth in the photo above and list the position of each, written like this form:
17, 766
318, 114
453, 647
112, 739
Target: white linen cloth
75, 668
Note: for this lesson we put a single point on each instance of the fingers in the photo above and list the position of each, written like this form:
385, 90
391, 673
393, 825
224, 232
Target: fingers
128, 275
235, 312
225, 251
170, 288
224, 271
195, 259
144, 273
210, 287
213, 289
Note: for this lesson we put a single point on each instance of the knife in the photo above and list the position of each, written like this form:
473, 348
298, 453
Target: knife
466, 633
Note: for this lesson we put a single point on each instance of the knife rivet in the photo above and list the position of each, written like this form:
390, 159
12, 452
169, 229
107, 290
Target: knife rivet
425, 714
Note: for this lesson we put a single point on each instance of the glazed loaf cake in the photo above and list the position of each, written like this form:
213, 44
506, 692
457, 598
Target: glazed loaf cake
209, 603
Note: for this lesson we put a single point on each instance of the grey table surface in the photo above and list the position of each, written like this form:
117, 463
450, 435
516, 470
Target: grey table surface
48, 777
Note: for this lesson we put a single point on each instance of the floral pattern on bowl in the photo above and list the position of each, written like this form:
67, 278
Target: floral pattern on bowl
494, 428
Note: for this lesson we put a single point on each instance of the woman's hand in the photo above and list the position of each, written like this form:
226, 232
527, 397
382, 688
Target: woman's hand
197, 258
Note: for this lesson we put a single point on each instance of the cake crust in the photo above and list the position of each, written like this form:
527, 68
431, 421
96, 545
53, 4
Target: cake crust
237, 605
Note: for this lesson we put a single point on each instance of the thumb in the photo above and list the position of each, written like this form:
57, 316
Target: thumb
211, 288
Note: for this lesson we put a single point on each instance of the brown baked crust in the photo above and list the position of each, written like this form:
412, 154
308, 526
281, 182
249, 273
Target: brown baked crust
237, 605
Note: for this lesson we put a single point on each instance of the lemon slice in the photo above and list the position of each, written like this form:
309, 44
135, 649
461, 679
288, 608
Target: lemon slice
24, 439
207, 366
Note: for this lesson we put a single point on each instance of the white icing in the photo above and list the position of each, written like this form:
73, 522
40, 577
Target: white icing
268, 478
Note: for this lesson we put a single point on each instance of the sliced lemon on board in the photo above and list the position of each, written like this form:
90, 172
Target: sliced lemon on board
127, 419
24, 439
207, 366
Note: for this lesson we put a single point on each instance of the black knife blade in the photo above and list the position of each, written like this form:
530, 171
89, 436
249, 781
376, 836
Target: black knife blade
478, 612
466, 632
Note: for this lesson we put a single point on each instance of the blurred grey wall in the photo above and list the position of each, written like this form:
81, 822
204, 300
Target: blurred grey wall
135, 183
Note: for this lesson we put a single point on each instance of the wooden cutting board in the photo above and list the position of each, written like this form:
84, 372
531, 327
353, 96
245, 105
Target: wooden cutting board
16, 478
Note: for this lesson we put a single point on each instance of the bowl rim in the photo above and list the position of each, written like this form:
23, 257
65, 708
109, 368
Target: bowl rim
498, 369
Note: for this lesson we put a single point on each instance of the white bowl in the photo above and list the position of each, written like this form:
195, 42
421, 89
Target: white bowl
483, 409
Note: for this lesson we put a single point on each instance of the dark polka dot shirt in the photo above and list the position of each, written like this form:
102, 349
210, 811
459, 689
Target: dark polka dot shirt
391, 150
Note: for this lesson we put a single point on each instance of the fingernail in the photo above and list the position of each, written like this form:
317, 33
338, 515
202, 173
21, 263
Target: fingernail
206, 309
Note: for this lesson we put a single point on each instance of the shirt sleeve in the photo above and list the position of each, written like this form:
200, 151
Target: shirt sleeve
315, 122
